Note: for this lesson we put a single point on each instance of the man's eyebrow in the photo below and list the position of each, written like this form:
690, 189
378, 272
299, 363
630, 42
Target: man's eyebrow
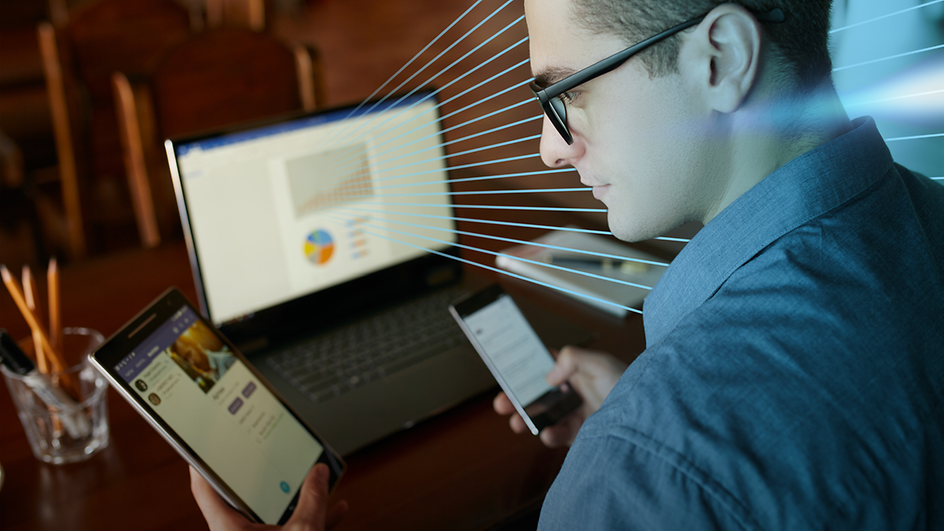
551, 76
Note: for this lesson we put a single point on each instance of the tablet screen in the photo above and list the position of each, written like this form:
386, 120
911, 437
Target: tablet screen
190, 379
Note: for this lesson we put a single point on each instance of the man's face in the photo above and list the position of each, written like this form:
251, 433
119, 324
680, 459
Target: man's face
641, 143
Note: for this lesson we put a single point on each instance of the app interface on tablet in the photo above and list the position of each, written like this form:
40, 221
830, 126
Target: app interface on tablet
192, 381
513, 347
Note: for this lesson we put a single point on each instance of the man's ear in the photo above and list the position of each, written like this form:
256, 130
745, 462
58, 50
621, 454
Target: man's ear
725, 53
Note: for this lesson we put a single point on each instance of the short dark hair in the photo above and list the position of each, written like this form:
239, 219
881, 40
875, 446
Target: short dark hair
800, 43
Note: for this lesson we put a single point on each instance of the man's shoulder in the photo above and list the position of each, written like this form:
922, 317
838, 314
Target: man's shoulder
761, 395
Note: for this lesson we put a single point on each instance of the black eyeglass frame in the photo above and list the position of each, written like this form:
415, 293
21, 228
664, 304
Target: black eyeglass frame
556, 109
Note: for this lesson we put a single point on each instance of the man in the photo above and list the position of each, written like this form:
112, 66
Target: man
793, 376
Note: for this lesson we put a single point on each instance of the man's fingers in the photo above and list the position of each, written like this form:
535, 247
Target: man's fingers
564, 367
555, 436
335, 515
312, 505
502, 405
218, 514
517, 424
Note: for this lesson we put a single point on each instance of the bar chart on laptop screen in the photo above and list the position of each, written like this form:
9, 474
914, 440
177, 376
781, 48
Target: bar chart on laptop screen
311, 195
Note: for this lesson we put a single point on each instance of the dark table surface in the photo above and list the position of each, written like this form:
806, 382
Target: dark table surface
463, 469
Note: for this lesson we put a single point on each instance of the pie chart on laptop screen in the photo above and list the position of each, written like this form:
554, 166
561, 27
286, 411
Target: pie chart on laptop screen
319, 247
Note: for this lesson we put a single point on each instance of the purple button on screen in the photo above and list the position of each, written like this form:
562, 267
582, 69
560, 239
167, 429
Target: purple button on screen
234, 407
250, 387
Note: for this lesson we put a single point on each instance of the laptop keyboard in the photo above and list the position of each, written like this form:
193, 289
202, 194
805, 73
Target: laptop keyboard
339, 361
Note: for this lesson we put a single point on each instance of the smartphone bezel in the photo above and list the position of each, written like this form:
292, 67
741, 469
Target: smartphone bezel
564, 402
137, 330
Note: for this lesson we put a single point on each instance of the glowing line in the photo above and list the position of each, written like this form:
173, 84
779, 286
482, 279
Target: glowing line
853, 104
885, 16
447, 169
415, 57
438, 133
502, 207
473, 192
443, 144
938, 178
452, 181
915, 137
467, 107
484, 221
535, 244
442, 118
889, 57
503, 272
495, 253
450, 142
509, 89
434, 59
486, 192
462, 166
454, 81
501, 223
337, 168
448, 156
456, 141
482, 178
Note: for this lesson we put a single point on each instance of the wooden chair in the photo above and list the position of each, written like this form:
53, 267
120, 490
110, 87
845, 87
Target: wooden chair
249, 14
215, 79
93, 40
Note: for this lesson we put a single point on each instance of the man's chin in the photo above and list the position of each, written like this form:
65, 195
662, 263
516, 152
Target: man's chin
631, 230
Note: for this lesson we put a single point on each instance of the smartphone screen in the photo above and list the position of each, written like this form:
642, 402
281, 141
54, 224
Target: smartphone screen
515, 355
191, 380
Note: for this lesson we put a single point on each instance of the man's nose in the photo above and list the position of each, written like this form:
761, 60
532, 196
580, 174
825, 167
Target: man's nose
555, 152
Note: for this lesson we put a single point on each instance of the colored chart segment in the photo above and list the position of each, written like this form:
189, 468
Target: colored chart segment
319, 247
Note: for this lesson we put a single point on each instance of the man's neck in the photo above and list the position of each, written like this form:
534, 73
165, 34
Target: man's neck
771, 131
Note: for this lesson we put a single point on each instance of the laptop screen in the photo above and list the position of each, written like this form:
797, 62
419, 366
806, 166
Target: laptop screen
281, 211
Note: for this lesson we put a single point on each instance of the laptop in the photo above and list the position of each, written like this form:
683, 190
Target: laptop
318, 231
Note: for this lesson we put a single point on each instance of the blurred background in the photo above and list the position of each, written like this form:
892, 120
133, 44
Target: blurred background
82, 171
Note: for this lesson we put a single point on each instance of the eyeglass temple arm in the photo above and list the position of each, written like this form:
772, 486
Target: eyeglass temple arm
775, 15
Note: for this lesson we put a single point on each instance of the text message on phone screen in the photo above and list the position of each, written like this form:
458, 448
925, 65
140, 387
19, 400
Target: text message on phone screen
513, 348
192, 381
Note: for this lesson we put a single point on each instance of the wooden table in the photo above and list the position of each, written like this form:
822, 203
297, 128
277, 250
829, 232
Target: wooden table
461, 470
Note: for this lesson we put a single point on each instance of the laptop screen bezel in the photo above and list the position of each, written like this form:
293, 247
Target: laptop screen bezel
328, 307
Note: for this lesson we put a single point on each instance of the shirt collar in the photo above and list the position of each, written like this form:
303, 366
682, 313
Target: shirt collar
804, 188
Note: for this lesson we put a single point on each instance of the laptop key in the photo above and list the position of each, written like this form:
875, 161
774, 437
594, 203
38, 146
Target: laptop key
350, 357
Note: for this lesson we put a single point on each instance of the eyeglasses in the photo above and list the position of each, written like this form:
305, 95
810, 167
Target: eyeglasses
550, 97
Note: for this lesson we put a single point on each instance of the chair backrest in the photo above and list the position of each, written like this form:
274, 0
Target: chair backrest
222, 77
97, 38
236, 13
214, 79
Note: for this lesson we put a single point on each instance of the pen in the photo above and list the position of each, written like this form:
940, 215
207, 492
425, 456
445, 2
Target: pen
606, 264
16, 361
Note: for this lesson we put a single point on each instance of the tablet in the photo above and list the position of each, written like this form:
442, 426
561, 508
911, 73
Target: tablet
196, 389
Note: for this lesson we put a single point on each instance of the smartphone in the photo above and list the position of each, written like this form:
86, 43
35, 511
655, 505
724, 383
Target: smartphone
515, 355
199, 392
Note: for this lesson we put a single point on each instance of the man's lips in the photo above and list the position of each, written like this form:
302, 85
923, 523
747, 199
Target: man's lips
599, 191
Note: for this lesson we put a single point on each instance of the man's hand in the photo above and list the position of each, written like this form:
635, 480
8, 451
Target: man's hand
592, 374
311, 514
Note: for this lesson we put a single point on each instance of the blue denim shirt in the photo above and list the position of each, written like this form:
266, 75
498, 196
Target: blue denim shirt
794, 370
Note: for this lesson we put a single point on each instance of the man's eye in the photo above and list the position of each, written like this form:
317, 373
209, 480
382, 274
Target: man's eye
568, 97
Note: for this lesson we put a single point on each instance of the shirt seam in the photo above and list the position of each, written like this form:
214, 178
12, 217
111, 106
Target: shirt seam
750, 524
